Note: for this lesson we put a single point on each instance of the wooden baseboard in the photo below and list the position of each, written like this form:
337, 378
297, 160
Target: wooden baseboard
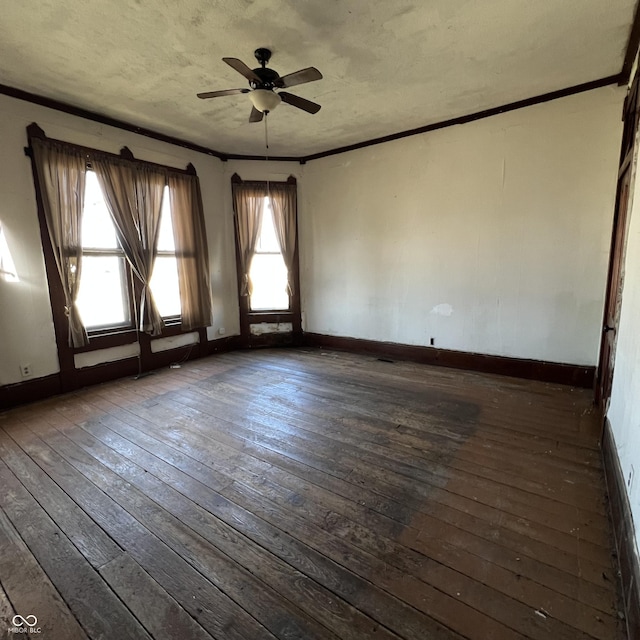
574, 375
222, 345
32, 390
12, 395
624, 532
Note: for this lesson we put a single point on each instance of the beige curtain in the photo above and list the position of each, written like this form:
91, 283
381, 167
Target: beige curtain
149, 191
134, 198
283, 206
248, 203
61, 175
192, 252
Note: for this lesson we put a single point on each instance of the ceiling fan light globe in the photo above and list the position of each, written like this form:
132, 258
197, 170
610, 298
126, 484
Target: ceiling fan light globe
264, 99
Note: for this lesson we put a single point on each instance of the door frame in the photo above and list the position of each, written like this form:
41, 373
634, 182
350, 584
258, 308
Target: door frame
619, 233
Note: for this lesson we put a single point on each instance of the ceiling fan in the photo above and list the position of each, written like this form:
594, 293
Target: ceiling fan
263, 82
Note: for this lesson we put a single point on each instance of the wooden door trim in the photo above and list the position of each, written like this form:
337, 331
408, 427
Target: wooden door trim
627, 163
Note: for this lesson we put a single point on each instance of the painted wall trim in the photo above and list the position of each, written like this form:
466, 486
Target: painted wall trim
12, 395
64, 107
20, 393
479, 115
623, 530
50, 103
569, 374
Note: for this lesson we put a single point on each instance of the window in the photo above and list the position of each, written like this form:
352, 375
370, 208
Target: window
104, 293
268, 271
105, 284
164, 280
98, 214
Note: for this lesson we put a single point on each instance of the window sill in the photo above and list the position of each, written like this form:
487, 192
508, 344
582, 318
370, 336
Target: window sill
270, 316
104, 339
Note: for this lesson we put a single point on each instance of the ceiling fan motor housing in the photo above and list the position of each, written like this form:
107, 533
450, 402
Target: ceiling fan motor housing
268, 78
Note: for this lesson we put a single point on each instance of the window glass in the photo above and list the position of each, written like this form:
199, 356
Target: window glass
98, 231
164, 280
268, 271
102, 297
164, 286
165, 235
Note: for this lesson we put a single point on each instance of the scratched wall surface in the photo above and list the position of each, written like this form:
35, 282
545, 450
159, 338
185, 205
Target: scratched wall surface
489, 237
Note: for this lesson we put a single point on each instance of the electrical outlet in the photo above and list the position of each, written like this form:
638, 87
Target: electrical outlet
432, 341
221, 331
25, 370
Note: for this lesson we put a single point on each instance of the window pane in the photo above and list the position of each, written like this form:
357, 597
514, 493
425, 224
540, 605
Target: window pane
98, 231
164, 285
269, 278
268, 241
101, 298
165, 235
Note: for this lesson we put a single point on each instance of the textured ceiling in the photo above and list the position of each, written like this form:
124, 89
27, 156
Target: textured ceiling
388, 66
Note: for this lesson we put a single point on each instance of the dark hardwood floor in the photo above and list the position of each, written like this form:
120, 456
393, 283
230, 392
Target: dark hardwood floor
307, 494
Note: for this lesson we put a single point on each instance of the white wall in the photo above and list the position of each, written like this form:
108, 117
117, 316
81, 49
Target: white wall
624, 407
26, 325
489, 237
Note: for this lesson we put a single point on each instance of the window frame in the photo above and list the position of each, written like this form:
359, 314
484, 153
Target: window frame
292, 315
269, 253
128, 291
102, 337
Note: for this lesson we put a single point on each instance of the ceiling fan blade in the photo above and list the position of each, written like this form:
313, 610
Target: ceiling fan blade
225, 92
256, 116
242, 69
301, 103
299, 77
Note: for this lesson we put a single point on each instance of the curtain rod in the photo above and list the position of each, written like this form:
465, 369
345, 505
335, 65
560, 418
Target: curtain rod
126, 155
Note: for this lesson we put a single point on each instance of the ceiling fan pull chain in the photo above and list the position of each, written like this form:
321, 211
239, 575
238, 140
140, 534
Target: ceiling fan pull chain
266, 153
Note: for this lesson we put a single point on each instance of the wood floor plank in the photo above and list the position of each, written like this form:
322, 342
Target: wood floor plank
197, 504
259, 599
405, 459
590, 567
92, 542
82, 589
351, 443
240, 518
564, 582
122, 437
209, 606
6, 609
161, 615
398, 556
304, 493
24, 582
526, 424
